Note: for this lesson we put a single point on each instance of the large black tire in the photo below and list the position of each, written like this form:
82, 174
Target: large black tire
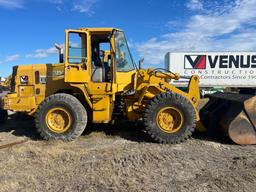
3, 116
69, 103
177, 101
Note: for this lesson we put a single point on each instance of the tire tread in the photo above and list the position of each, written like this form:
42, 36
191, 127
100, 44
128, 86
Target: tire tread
81, 115
153, 131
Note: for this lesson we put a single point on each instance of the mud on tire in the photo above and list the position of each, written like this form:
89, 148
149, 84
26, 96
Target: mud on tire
71, 104
162, 101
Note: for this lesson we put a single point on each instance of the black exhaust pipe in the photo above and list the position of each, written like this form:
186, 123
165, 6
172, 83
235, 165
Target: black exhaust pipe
61, 52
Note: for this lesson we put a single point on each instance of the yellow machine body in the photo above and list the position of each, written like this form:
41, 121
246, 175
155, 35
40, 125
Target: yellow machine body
32, 84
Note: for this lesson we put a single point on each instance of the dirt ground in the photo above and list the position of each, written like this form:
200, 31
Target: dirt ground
121, 158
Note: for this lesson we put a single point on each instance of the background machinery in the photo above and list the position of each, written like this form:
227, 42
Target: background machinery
97, 81
234, 111
4, 84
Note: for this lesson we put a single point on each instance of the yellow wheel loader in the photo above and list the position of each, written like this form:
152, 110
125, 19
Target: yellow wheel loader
97, 81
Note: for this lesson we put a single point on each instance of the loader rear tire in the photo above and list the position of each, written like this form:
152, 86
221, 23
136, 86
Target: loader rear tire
3, 116
61, 117
170, 118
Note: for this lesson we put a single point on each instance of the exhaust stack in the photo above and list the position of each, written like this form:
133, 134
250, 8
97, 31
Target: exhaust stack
61, 52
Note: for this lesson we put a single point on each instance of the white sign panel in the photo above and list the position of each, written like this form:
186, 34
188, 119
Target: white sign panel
223, 69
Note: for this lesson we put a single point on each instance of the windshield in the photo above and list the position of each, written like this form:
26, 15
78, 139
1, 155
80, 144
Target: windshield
123, 57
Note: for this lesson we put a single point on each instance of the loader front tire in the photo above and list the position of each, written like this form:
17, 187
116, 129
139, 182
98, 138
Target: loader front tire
61, 117
170, 118
3, 116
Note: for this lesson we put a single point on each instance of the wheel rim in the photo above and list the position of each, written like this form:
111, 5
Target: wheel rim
170, 119
58, 120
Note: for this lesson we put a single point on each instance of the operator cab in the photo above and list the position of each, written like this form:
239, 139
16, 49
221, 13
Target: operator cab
99, 55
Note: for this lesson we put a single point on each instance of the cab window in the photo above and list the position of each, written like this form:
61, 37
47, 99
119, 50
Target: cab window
77, 48
124, 60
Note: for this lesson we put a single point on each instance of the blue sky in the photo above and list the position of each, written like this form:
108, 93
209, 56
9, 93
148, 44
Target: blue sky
29, 28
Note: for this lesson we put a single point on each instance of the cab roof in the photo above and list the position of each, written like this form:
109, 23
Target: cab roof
98, 29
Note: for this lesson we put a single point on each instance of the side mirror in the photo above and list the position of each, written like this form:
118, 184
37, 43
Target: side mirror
141, 61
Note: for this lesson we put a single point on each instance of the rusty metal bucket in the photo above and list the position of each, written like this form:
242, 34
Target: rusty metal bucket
232, 114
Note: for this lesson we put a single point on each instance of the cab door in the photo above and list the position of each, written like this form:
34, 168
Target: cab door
101, 87
125, 68
77, 64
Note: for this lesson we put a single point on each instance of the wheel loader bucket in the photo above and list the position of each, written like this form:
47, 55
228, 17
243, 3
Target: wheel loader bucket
232, 114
